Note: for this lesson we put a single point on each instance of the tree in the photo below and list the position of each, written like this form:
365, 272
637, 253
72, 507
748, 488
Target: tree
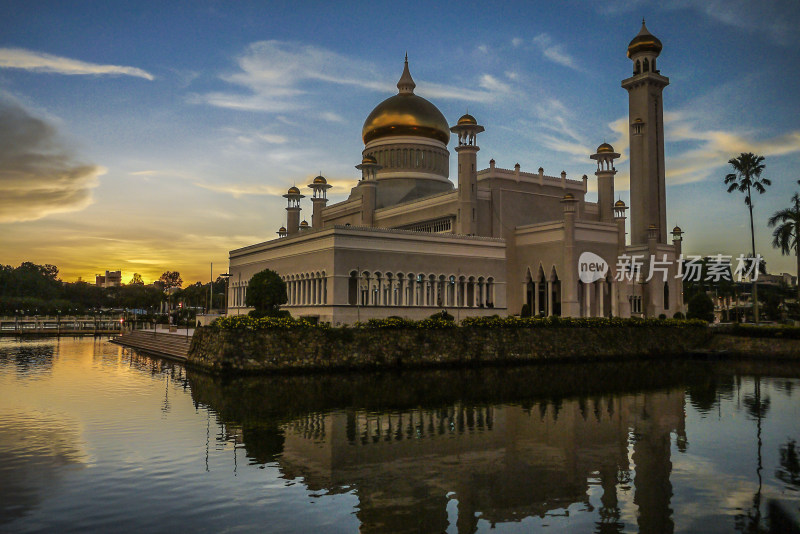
701, 307
266, 292
787, 232
136, 280
746, 176
171, 279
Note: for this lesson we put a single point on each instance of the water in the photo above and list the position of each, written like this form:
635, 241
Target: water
94, 437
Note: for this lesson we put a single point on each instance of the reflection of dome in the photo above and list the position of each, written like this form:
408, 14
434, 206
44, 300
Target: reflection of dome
320, 180
467, 119
406, 114
293, 191
605, 147
644, 42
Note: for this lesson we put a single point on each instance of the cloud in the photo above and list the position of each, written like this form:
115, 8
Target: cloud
332, 117
776, 20
279, 76
492, 84
554, 52
17, 58
713, 148
262, 137
239, 190
516, 42
277, 73
38, 174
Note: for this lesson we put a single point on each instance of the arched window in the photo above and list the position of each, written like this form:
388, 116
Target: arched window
352, 289
637, 68
646, 65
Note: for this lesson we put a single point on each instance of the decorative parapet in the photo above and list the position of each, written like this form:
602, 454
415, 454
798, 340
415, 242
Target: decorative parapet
514, 174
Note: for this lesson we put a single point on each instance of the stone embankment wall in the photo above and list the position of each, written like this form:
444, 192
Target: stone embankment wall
306, 349
749, 347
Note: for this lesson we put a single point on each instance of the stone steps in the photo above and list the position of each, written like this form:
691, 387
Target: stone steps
173, 346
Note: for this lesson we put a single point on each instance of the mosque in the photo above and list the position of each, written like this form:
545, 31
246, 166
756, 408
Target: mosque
409, 242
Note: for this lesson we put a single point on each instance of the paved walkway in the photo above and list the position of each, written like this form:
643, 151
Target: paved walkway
179, 332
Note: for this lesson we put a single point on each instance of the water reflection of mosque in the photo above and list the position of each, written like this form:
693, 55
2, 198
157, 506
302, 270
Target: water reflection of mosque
503, 462
500, 462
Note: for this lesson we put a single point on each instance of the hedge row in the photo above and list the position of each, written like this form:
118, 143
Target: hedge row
772, 332
244, 322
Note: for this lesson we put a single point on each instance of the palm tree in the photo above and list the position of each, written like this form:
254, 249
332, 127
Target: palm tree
787, 232
746, 176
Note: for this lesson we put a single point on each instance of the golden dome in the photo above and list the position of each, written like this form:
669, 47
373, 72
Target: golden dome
605, 147
677, 230
569, 196
406, 114
304, 224
282, 230
320, 180
467, 119
619, 204
644, 42
368, 160
293, 191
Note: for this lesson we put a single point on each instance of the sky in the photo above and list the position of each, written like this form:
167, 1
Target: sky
154, 136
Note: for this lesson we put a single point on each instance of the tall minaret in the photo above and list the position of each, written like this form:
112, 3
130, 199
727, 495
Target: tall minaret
369, 169
605, 157
467, 130
646, 114
293, 197
320, 197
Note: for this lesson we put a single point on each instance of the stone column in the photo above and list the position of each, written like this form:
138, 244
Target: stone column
549, 298
535, 310
569, 278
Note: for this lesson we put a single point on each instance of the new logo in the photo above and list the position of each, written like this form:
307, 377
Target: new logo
591, 267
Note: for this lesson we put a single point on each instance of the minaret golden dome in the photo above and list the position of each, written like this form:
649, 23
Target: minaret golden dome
406, 114
605, 147
467, 119
644, 42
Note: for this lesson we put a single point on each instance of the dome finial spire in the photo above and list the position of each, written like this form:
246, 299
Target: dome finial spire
406, 84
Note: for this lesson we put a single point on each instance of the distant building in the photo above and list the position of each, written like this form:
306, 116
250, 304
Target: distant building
110, 279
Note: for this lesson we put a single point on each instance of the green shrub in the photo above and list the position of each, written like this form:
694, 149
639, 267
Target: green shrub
678, 315
269, 313
526, 310
701, 307
443, 315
